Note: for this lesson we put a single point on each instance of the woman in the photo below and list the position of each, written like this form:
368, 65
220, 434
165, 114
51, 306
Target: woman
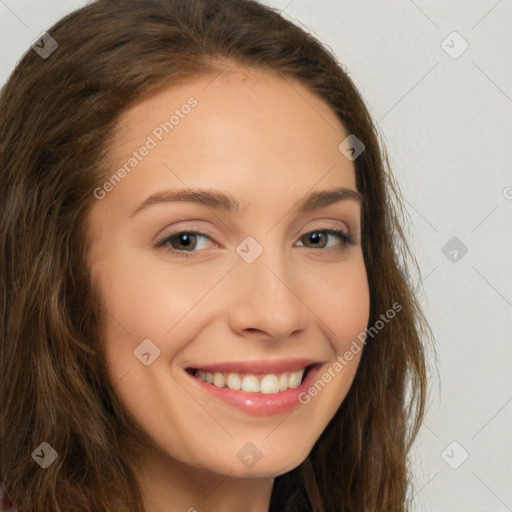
280, 366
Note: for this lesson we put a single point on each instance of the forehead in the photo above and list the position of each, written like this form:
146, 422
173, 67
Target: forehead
266, 139
241, 101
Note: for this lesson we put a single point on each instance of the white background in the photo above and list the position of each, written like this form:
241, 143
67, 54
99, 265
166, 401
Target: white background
447, 123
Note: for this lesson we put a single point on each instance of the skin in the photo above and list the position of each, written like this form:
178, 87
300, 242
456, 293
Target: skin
267, 141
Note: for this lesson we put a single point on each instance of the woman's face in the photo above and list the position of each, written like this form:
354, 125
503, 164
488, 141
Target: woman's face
257, 291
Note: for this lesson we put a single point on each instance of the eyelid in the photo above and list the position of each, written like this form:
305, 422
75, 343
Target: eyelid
188, 229
205, 231
343, 234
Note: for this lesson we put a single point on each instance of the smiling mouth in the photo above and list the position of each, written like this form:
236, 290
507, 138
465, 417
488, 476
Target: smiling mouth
263, 383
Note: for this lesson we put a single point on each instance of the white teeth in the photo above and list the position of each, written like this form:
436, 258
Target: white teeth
219, 380
206, 376
250, 384
268, 384
283, 382
295, 379
234, 382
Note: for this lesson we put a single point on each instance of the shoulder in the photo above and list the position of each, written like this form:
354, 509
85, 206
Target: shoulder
5, 504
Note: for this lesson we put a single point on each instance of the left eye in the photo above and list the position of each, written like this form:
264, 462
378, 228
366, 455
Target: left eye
187, 240
344, 237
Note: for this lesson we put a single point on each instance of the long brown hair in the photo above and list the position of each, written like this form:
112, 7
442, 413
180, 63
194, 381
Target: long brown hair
57, 117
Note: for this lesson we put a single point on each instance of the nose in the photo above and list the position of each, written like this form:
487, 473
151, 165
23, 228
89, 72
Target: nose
265, 301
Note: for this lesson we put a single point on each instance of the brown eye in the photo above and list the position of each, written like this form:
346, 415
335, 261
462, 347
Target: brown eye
183, 243
321, 236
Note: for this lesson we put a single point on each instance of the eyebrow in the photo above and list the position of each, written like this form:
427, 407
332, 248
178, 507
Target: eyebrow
223, 201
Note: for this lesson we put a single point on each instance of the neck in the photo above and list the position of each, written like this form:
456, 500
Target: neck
171, 486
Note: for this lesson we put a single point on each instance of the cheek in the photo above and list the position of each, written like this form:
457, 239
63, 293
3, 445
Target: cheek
343, 303
135, 308
146, 299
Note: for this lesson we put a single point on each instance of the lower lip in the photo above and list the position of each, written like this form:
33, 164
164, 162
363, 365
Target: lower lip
259, 404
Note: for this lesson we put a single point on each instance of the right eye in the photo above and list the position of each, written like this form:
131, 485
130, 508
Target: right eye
187, 239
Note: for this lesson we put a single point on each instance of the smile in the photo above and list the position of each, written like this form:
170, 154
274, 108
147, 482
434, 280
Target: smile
270, 383
261, 388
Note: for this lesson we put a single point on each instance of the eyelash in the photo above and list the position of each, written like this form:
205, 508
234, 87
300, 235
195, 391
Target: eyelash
347, 240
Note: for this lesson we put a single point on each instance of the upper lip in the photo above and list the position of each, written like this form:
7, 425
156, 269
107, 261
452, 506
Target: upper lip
256, 366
